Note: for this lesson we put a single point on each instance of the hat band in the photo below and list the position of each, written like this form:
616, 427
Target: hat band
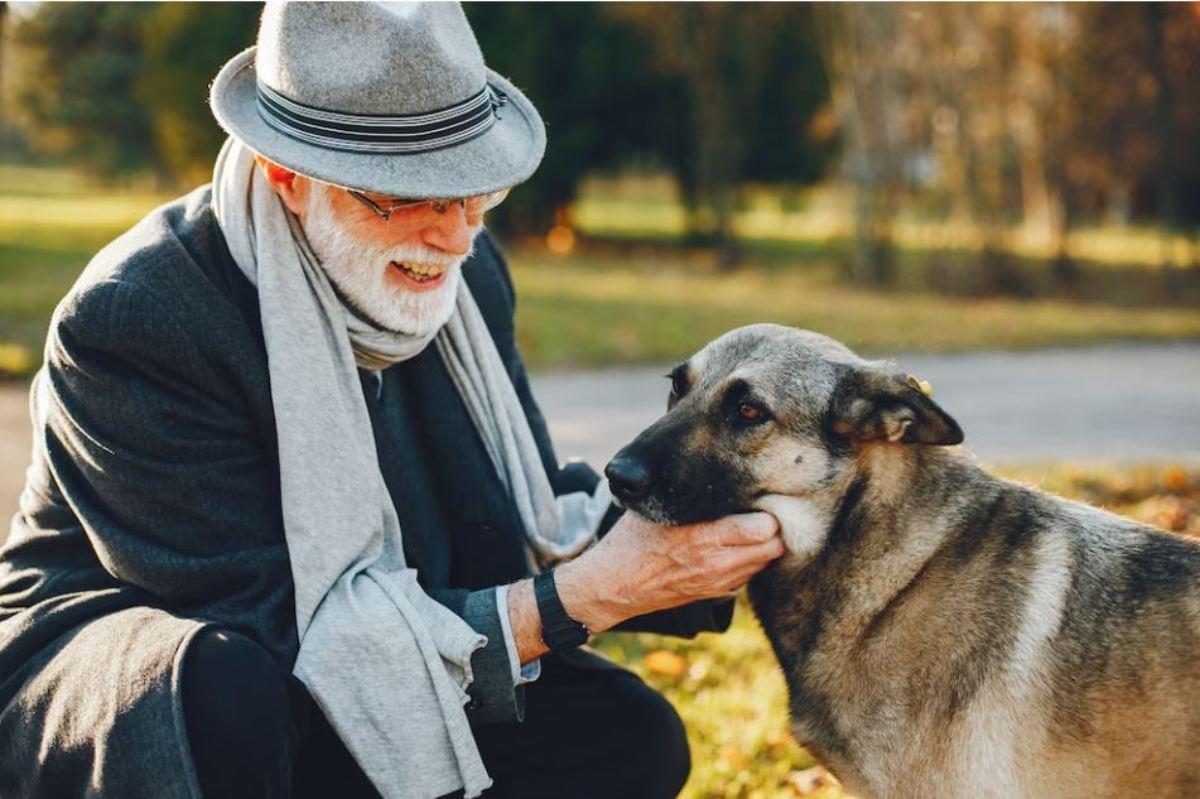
411, 133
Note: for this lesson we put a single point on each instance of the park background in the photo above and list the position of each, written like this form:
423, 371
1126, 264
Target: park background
907, 178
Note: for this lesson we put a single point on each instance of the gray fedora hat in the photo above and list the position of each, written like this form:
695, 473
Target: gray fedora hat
391, 98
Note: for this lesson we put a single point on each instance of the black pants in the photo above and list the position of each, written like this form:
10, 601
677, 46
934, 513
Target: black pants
591, 731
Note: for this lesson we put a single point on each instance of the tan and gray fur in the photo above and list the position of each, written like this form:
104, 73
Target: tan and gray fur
943, 632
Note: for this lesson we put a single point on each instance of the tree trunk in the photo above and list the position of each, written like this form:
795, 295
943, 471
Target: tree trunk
1166, 184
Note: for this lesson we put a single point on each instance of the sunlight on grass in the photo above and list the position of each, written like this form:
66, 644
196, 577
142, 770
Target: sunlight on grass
732, 700
729, 690
66, 215
824, 214
15, 360
595, 311
52, 222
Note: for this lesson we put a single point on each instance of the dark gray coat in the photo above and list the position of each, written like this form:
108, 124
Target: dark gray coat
152, 508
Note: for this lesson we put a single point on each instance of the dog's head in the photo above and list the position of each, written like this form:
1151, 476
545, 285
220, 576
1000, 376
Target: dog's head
773, 418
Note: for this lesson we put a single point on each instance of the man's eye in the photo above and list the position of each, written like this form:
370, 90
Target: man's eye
750, 413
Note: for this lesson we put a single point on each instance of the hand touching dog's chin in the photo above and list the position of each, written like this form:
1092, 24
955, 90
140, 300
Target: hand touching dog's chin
803, 523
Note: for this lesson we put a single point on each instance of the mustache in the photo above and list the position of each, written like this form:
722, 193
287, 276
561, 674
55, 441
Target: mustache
420, 255
346, 244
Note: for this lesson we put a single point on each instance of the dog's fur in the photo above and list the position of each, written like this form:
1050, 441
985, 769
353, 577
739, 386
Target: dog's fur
943, 633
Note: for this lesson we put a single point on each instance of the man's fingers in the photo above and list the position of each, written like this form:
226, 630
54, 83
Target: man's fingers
751, 557
755, 560
743, 529
762, 552
775, 548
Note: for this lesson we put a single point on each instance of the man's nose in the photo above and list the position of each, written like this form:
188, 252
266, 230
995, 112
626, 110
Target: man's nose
450, 231
628, 477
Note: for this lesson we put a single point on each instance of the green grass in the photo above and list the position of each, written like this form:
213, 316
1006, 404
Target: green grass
51, 224
595, 311
731, 695
649, 208
606, 304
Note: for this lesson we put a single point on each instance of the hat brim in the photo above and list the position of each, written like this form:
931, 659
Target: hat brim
504, 156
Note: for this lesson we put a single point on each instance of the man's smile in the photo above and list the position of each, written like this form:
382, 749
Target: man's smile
417, 276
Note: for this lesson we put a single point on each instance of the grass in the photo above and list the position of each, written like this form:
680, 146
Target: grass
51, 224
605, 304
649, 208
731, 695
596, 311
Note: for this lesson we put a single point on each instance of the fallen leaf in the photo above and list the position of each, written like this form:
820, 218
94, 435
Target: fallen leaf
668, 664
1176, 479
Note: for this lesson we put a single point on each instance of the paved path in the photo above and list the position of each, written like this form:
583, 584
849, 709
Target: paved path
15, 442
1111, 403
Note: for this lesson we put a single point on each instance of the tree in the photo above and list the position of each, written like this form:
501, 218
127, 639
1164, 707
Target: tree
589, 77
1040, 115
183, 46
719, 94
70, 70
122, 87
752, 83
865, 99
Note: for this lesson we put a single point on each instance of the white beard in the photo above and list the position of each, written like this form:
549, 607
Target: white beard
358, 269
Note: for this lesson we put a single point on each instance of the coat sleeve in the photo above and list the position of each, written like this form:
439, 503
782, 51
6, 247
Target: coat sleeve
685, 621
157, 454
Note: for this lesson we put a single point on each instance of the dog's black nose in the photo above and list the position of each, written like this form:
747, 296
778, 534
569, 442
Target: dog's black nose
628, 477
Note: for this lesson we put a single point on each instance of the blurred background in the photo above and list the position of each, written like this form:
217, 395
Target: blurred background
1005, 197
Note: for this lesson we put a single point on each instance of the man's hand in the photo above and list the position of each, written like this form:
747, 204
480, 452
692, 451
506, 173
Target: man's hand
641, 566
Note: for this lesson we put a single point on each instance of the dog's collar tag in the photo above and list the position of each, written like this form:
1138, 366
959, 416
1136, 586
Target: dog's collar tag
920, 385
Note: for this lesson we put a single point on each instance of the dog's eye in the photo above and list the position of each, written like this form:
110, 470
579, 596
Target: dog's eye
750, 413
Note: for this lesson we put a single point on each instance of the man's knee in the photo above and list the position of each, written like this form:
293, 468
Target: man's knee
656, 744
233, 685
237, 706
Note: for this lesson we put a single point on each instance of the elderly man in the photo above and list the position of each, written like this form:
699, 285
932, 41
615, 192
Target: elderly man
289, 484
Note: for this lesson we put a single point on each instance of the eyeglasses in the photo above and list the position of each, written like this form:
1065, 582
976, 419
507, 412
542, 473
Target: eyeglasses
472, 205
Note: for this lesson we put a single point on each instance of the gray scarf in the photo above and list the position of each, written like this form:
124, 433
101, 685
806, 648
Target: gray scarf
387, 664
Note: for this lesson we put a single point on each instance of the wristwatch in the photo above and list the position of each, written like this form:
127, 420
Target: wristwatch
559, 630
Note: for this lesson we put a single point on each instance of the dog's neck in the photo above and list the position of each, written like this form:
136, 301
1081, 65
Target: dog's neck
872, 528
819, 607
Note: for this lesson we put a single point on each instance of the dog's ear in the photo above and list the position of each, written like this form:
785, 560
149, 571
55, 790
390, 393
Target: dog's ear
875, 406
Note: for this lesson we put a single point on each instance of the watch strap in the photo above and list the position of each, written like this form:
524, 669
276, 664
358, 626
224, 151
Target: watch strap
559, 630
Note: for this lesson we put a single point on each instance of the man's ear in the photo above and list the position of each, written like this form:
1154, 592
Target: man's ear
874, 406
292, 188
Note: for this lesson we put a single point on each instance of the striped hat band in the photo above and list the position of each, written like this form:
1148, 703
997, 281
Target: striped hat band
369, 133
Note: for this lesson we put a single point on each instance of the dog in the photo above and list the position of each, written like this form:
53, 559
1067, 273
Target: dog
943, 632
